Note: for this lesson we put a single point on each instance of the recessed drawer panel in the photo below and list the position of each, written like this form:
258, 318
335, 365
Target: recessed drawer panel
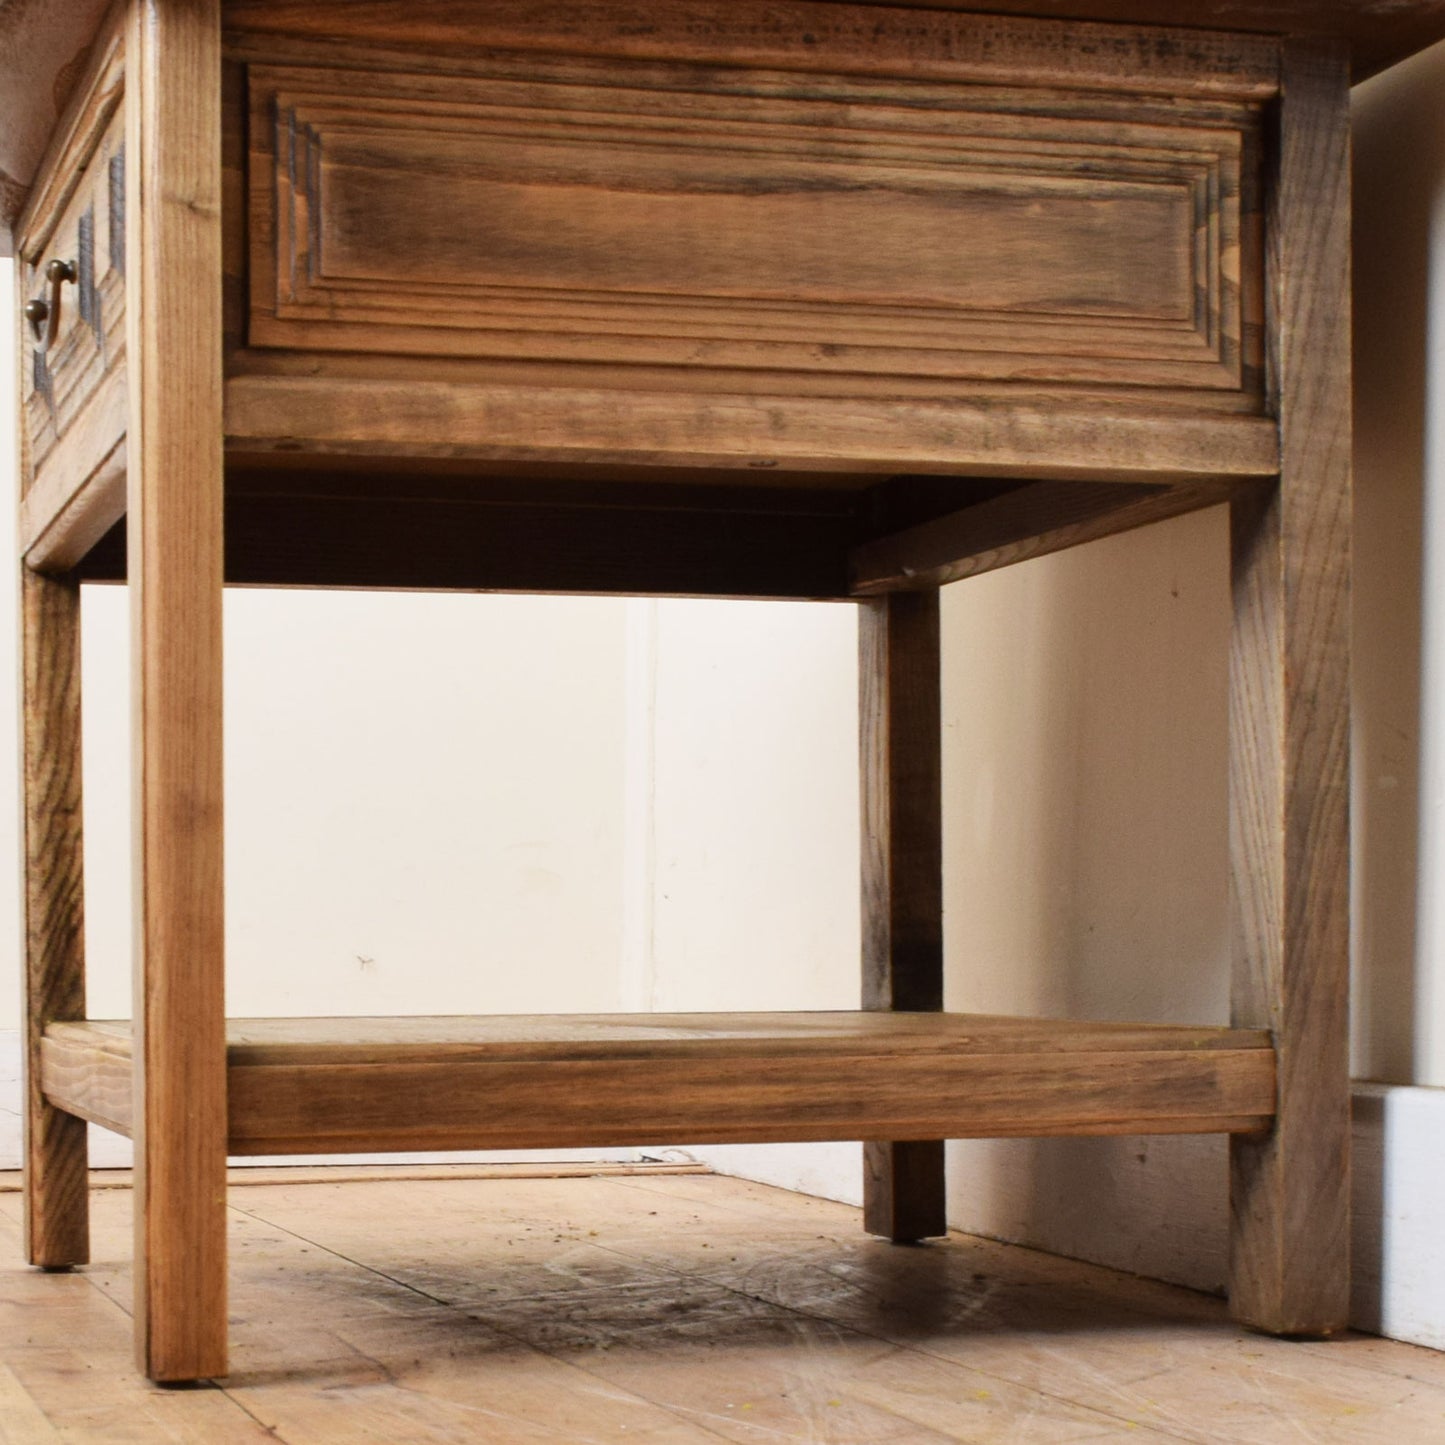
79, 341
700, 217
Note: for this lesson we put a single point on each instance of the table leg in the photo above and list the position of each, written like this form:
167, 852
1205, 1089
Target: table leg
57, 1212
173, 341
1290, 739
899, 737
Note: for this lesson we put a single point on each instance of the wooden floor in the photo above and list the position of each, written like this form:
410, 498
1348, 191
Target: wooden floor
664, 1308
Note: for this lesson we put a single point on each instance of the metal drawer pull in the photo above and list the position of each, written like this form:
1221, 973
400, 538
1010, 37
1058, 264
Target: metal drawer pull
43, 315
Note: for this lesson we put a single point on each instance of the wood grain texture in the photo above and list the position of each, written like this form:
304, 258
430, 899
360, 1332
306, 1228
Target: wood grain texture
901, 803
1030, 522
1289, 740
642, 1307
56, 1201
479, 1038
1076, 399
1374, 33
60, 389
341, 1085
901, 826
925, 43
988, 436
78, 495
174, 515
551, 210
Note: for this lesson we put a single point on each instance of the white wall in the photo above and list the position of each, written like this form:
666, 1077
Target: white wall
1400, 577
755, 807
424, 802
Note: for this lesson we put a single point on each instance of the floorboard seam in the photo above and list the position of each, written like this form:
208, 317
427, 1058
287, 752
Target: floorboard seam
1102, 1415
481, 1320
272, 1430
921, 1350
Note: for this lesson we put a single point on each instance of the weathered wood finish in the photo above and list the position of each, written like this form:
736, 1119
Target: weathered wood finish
1373, 33
71, 219
174, 538
541, 234
543, 210
318, 1085
79, 494
57, 1232
745, 235
901, 805
525, 1302
1290, 739
73, 401
899, 732
1030, 521
785, 35
994, 435
790, 535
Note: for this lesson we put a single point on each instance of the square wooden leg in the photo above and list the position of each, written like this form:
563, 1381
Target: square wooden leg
1290, 740
902, 828
174, 496
57, 1223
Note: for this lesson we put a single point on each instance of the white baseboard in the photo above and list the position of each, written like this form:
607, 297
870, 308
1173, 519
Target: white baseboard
1399, 1195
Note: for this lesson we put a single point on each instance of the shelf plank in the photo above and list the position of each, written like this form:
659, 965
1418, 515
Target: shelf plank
545, 1081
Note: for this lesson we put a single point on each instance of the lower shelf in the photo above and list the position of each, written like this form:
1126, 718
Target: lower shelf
569, 1080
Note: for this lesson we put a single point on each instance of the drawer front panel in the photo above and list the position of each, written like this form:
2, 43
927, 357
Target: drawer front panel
707, 218
58, 380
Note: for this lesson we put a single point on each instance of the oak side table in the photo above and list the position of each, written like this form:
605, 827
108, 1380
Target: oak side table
756, 298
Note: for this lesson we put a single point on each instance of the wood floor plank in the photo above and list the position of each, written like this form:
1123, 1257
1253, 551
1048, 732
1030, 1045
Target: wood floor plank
22, 1422
66, 1341
1093, 1336
729, 1364
327, 1351
688, 1309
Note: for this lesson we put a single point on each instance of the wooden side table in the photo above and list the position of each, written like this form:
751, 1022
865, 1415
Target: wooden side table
792, 299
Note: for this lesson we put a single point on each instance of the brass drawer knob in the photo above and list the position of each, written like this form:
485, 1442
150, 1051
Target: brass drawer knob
43, 315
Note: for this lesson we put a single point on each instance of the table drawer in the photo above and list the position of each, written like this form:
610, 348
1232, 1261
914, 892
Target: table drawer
62, 372
713, 218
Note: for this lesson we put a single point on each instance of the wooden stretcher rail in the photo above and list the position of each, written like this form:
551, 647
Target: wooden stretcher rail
515, 1081
1032, 521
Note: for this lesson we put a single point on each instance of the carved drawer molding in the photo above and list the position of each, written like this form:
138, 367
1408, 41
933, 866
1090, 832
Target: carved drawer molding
951, 236
72, 373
